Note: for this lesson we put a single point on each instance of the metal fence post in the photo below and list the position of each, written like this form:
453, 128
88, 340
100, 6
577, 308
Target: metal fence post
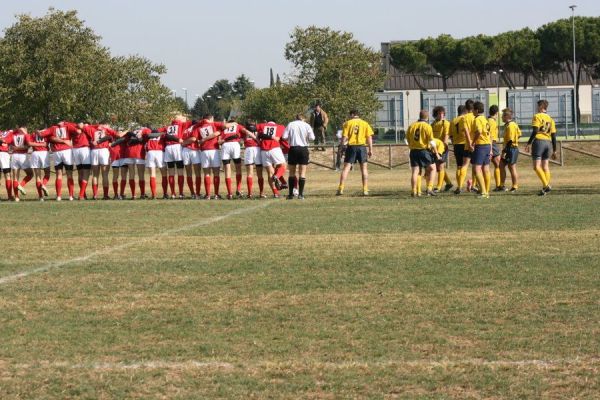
390, 156
562, 159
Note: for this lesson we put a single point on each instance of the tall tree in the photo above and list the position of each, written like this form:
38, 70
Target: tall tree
408, 58
476, 54
242, 86
441, 54
278, 103
271, 78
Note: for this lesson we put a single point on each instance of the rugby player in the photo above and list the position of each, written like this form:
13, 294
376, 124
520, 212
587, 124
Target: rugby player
512, 133
357, 135
208, 132
173, 152
419, 136
100, 137
39, 159
441, 131
191, 161
252, 158
154, 145
496, 152
463, 154
481, 148
5, 143
231, 150
61, 145
82, 157
273, 159
543, 136
20, 158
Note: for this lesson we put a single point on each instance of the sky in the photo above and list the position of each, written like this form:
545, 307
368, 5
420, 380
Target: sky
200, 41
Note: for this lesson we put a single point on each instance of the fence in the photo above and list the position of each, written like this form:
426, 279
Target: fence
596, 105
451, 100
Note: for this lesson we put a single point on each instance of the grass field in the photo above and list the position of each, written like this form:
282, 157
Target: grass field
352, 297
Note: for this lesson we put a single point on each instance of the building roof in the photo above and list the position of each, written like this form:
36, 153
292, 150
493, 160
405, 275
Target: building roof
396, 80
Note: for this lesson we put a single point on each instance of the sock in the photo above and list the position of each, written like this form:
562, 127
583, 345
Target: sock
487, 178
238, 182
441, 177
365, 188
180, 182
38, 186
46, 178
547, 177
95, 189
132, 187
292, 180
198, 185
116, 187
15, 188
279, 171
142, 188
458, 173
228, 184
105, 190
429, 184
462, 176
261, 185
82, 188
190, 183
8, 185
25, 180
542, 175
250, 184
153, 186
419, 183
58, 186
122, 187
217, 182
481, 181
275, 191
341, 188
447, 178
301, 183
207, 182
71, 186
497, 177
165, 185
172, 184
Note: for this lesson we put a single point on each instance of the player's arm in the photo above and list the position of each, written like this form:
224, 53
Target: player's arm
445, 131
534, 131
553, 145
468, 137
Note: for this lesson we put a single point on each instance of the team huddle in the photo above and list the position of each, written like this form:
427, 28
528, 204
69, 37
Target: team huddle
192, 150
195, 151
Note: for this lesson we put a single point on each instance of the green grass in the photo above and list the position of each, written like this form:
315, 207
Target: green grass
380, 297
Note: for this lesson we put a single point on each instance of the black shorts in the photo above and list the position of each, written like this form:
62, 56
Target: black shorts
496, 152
298, 155
511, 155
460, 154
356, 154
481, 155
541, 150
421, 158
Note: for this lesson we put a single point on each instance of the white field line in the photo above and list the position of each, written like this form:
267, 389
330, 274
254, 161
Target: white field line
195, 364
109, 250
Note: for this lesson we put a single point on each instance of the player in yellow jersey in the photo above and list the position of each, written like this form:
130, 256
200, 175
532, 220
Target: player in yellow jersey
464, 131
458, 141
510, 153
441, 131
542, 136
496, 152
421, 161
357, 135
481, 146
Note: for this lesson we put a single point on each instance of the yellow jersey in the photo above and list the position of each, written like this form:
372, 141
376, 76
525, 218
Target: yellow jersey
482, 126
440, 146
455, 132
419, 135
441, 129
493, 128
545, 125
512, 132
466, 125
357, 131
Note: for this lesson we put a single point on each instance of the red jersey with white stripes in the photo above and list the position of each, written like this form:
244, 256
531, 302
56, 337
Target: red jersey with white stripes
19, 143
80, 138
64, 131
207, 128
155, 144
137, 150
6, 137
267, 134
38, 137
177, 128
98, 132
232, 133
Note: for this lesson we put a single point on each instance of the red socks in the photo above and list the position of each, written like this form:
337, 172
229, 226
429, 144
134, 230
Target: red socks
228, 184
165, 185
95, 190
180, 182
122, 188
207, 183
46, 178
38, 186
238, 182
142, 188
132, 187
105, 190
250, 183
116, 188
82, 188
190, 183
8, 185
71, 186
25, 180
58, 186
261, 184
198, 185
217, 181
153, 186
172, 184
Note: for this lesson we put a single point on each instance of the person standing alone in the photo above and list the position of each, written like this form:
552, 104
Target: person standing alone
319, 121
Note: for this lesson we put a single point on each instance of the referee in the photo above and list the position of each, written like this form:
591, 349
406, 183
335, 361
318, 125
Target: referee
298, 134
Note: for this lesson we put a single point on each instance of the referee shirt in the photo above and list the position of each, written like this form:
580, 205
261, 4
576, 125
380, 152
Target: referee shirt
298, 134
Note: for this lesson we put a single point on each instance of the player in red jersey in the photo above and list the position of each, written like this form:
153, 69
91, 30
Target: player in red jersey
252, 158
62, 149
100, 137
81, 159
115, 149
208, 136
173, 152
192, 160
5, 142
273, 159
40, 160
135, 160
20, 158
231, 150
155, 145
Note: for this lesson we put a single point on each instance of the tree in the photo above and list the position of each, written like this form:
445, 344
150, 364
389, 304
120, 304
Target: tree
442, 55
278, 103
334, 67
475, 55
242, 86
271, 78
408, 58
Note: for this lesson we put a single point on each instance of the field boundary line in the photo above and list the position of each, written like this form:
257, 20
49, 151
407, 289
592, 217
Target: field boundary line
198, 364
60, 264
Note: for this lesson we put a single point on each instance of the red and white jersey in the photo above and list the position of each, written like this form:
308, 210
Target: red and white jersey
6, 140
206, 128
38, 137
248, 141
115, 152
137, 150
268, 132
155, 144
97, 132
80, 138
191, 132
233, 133
64, 131
177, 128
19, 143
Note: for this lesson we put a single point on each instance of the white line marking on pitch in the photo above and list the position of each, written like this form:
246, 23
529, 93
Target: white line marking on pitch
59, 264
194, 364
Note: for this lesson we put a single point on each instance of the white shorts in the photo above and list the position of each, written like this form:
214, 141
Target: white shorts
210, 159
81, 156
40, 159
231, 151
100, 157
154, 159
190, 156
273, 157
173, 153
20, 161
117, 163
252, 156
64, 157
132, 161
4, 160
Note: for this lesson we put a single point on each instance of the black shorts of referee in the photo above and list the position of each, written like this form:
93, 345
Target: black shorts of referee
298, 155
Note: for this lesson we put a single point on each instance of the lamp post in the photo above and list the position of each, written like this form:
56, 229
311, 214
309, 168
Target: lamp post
573, 7
186, 96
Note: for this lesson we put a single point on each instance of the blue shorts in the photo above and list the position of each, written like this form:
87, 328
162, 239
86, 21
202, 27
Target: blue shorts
481, 155
356, 154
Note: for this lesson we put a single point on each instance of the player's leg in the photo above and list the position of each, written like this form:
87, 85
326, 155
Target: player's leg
546, 168
228, 183
141, 171
180, 177
503, 166
26, 179
95, 179
260, 177
487, 179
124, 176
249, 179
292, 179
189, 176
131, 174
115, 178
198, 173
497, 174
237, 162
39, 176
16, 172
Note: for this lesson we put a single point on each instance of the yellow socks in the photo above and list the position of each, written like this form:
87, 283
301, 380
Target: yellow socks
481, 182
497, 177
441, 177
487, 177
542, 175
547, 177
462, 177
419, 185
